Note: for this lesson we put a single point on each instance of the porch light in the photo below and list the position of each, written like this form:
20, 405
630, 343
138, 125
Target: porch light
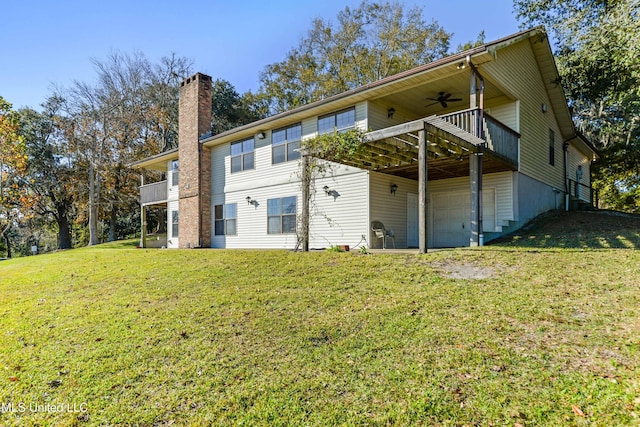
261, 135
327, 190
390, 112
461, 66
543, 107
394, 188
251, 201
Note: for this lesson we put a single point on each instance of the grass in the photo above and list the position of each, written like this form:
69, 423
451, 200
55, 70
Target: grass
128, 336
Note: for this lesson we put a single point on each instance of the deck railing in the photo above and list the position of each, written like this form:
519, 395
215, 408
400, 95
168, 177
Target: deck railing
153, 193
500, 138
582, 192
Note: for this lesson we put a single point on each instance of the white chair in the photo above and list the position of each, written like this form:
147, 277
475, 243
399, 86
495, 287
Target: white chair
382, 233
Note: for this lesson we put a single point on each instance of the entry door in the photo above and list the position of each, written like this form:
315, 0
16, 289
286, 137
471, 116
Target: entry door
412, 220
451, 219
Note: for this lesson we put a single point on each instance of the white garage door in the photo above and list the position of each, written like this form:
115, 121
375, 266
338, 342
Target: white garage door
451, 223
451, 219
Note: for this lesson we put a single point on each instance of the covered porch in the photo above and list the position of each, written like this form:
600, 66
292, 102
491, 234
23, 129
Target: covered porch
461, 144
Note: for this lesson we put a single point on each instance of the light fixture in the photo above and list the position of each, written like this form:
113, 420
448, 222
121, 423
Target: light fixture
461, 66
327, 190
261, 135
394, 188
390, 112
251, 201
543, 107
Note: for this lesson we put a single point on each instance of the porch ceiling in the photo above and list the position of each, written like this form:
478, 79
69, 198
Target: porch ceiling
394, 150
414, 101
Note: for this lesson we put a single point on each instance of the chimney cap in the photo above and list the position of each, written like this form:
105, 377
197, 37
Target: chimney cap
195, 77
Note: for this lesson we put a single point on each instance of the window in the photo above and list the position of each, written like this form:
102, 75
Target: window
174, 173
340, 121
174, 223
552, 147
281, 215
286, 143
242, 155
225, 219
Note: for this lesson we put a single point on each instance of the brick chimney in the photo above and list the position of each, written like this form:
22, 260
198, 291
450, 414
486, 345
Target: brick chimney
194, 120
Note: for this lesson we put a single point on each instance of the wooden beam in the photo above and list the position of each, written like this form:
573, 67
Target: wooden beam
400, 129
423, 200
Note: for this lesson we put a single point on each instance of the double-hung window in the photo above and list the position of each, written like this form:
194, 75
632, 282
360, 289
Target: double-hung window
339, 121
174, 173
174, 223
242, 155
286, 143
225, 219
281, 215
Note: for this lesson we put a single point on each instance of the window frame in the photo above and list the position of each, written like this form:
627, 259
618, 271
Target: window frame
552, 147
243, 155
286, 143
225, 219
175, 223
335, 115
175, 168
284, 216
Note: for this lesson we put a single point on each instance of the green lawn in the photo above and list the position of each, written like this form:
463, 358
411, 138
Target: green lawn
549, 336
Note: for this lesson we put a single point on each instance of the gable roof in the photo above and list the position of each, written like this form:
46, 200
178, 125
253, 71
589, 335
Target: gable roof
478, 55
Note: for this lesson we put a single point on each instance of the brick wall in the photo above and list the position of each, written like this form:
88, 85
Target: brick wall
194, 119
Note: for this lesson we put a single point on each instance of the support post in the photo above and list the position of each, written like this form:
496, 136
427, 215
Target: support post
306, 200
423, 201
475, 178
143, 219
143, 226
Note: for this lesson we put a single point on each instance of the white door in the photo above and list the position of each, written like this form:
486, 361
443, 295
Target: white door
412, 220
451, 219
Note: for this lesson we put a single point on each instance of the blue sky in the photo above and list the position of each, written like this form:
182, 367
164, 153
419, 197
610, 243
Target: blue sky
49, 43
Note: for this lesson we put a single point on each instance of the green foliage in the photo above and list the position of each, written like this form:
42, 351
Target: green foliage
597, 47
231, 110
479, 41
368, 43
335, 145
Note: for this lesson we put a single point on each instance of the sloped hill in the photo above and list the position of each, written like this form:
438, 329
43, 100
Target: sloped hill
578, 229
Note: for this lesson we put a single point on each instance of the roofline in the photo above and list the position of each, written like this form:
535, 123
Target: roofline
486, 48
148, 161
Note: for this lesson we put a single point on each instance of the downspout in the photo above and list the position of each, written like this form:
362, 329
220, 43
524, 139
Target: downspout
199, 193
565, 150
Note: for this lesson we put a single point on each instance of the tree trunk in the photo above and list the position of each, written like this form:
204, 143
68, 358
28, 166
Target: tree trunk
8, 244
93, 208
162, 221
64, 231
113, 222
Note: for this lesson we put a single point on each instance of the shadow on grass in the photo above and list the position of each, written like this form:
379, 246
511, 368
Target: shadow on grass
577, 230
119, 244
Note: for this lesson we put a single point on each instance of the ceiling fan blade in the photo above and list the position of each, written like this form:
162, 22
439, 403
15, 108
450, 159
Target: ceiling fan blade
432, 104
454, 99
444, 104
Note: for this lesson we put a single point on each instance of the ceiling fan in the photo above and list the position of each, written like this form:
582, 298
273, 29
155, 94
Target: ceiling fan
443, 98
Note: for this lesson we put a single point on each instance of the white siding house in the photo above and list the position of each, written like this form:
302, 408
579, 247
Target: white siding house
498, 141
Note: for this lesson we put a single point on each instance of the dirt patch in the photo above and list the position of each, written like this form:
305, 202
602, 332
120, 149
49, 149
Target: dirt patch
454, 270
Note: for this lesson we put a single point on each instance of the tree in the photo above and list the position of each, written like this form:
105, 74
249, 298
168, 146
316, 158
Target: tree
231, 110
369, 43
597, 48
49, 177
13, 161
